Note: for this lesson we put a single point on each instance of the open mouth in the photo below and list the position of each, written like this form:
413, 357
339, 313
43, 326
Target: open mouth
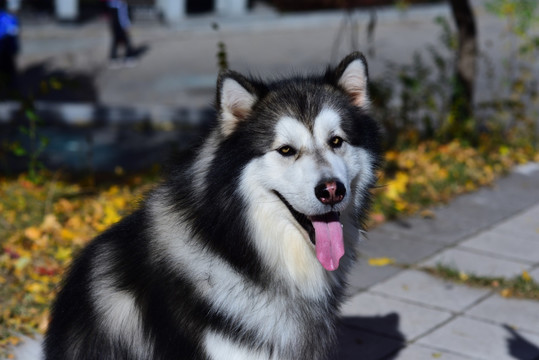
325, 232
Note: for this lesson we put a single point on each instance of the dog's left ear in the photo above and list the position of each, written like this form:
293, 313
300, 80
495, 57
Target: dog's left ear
235, 99
352, 76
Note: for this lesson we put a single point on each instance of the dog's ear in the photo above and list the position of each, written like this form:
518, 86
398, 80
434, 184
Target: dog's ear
352, 76
235, 99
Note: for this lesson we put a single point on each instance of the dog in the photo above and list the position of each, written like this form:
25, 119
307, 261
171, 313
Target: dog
242, 251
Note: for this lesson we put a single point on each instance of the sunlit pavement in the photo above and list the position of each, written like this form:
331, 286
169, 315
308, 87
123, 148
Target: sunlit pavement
408, 314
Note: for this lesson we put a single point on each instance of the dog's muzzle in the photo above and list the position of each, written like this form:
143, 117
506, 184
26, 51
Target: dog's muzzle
325, 230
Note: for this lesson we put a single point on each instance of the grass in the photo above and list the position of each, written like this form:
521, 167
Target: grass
522, 286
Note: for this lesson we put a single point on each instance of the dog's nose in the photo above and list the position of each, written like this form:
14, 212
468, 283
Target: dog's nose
330, 192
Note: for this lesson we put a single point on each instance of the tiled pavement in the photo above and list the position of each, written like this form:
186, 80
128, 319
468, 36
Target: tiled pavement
410, 315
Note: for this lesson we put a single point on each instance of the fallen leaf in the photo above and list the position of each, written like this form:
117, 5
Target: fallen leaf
428, 214
50, 223
32, 233
35, 288
383, 261
63, 253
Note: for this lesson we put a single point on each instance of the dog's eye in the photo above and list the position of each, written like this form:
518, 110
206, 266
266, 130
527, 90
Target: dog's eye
286, 150
335, 142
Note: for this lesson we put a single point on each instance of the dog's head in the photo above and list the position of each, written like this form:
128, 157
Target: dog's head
314, 148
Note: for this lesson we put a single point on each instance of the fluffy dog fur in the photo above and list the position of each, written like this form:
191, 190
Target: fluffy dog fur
237, 254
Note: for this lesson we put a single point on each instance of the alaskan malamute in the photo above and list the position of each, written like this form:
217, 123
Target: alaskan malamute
242, 252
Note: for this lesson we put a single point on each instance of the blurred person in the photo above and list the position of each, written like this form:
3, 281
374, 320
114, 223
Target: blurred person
119, 25
9, 47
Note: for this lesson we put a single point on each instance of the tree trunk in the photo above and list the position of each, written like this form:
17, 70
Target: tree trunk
463, 93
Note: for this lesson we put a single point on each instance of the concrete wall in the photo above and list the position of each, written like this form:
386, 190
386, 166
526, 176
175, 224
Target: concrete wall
66, 10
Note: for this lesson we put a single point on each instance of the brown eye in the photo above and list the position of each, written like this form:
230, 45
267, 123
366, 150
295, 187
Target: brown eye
335, 142
286, 150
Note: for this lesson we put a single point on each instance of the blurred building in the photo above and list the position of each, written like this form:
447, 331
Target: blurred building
171, 11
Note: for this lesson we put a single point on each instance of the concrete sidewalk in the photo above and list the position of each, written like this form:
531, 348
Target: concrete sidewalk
409, 315
179, 68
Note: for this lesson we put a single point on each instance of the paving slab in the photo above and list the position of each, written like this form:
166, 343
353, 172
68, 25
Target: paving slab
535, 274
526, 176
448, 227
422, 288
512, 246
478, 264
482, 340
476, 211
525, 225
29, 348
411, 320
527, 169
420, 352
489, 205
517, 313
404, 248
363, 276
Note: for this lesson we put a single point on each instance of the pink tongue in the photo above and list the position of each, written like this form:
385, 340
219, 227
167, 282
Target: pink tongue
329, 240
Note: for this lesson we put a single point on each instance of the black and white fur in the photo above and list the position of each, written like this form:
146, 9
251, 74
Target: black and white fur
219, 262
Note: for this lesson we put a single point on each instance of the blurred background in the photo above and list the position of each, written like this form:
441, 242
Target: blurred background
425, 82
85, 130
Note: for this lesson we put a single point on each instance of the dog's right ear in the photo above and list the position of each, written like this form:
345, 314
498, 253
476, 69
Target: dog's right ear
235, 99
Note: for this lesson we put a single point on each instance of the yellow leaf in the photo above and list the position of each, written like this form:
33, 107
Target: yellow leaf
397, 185
463, 276
40, 299
428, 214
50, 223
63, 253
400, 205
111, 215
506, 293
436, 355
74, 222
67, 234
32, 233
113, 190
526, 276
119, 202
64, 206
35, 288
383, 261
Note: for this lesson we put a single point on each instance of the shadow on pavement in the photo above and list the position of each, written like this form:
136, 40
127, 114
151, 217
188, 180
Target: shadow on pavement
41, 83
140, 50
519, 347
382, 340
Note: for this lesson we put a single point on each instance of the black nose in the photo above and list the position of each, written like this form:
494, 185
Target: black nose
330, 192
